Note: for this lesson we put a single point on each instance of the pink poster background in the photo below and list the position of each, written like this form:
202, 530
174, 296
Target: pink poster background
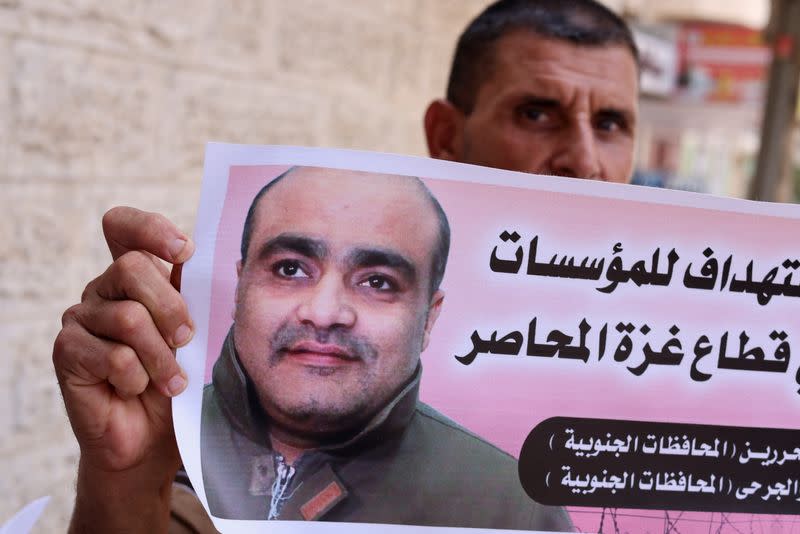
501, 398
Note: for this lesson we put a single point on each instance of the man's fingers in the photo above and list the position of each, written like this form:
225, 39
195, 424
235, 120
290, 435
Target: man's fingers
175, 276
129, 229
137, 345
135, 277
124, 370
83, 360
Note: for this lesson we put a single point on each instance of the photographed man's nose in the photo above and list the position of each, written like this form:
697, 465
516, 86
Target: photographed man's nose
326, 305
576, 156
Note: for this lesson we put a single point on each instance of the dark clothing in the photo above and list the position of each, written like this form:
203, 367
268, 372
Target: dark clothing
187, 515
410, 465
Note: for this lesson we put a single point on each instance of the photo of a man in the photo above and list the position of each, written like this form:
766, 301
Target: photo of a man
312, 412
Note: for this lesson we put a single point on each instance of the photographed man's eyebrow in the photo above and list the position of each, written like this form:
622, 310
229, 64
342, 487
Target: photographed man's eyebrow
379, 257
297, 243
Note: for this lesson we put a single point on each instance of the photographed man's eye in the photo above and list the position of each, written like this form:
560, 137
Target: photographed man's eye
289, 269
378, 282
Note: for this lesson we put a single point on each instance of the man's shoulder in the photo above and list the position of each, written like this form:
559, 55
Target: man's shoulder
440, 433
454, 465
452, 430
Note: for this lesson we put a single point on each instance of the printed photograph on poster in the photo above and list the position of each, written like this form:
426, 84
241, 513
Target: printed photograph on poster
401, 341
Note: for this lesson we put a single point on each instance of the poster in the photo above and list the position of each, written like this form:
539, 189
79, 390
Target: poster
631, 347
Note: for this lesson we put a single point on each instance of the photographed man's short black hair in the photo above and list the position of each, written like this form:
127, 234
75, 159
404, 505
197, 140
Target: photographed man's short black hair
581, 22
440, 253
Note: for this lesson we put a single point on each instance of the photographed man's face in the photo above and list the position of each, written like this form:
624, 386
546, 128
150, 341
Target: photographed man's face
333, 303
546, 107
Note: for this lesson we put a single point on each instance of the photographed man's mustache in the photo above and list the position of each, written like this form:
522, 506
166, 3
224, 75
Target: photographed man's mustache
342, 343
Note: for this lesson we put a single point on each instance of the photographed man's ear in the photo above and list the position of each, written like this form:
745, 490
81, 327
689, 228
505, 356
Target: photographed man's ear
434, 307
444, 124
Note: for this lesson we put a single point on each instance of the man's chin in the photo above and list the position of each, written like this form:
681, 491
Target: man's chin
315, 418
317, 400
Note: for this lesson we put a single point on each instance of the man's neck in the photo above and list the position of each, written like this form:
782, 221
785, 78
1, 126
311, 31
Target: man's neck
290, 450
291, 446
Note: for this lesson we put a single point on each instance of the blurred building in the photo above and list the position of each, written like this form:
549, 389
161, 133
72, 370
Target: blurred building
703, 89
705, 72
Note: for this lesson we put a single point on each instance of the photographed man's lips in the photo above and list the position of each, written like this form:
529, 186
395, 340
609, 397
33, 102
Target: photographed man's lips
319, 354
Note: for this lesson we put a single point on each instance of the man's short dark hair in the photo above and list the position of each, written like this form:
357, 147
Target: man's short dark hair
440, 252
581, 22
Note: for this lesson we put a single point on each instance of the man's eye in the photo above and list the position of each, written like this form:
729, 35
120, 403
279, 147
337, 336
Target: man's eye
289, 269
534, 114
610, 124
378, 282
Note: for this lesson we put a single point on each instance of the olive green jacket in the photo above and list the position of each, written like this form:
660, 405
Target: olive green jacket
409, 465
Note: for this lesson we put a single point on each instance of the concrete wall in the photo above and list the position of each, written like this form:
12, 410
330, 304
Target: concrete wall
111, 102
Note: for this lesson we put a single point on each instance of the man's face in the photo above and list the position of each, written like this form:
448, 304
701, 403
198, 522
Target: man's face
548, 107
333, 304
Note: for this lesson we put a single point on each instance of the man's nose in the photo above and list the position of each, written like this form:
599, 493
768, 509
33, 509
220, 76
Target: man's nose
326, 305
576, 154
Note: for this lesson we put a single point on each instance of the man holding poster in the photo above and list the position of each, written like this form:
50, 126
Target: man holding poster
530, 90
312, 412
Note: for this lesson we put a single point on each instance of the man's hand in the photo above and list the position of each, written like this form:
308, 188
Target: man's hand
116, 367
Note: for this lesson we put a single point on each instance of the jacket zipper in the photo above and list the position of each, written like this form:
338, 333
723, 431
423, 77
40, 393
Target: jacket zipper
283, 479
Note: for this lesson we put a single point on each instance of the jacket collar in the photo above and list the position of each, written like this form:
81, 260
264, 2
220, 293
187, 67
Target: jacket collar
239, 401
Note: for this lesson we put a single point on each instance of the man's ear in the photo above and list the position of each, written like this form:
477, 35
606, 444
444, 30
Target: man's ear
434, 308
444, 124
236, 292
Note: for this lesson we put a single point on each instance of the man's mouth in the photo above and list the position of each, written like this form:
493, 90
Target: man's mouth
316, 354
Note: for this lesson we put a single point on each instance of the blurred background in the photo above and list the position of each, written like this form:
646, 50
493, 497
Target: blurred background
111, 102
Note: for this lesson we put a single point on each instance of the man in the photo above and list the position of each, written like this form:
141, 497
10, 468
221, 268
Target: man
543, 86
312, 412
